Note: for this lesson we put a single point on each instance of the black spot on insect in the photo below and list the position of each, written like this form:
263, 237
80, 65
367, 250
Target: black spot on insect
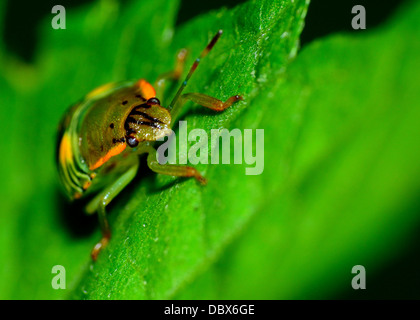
111, 126
140, 97
102, 148
124, 102
120, 140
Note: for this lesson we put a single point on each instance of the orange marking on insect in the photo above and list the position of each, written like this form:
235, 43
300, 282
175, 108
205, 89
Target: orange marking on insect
65, 153
96, 92
146, 88
111, 153
86, 185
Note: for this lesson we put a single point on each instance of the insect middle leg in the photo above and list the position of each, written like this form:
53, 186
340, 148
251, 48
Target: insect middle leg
100, 202
172, 169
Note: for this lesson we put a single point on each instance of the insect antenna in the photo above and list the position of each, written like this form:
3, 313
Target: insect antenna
194, 67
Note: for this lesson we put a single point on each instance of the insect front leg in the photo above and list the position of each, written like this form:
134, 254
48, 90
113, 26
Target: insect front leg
106, 231
171, 76
99, 203
205, 101
172, 169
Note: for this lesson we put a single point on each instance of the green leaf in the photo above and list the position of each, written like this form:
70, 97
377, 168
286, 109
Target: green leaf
341, 173
165, 231
183, 228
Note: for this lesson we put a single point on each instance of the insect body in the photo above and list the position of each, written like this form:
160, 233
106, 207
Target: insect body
102, 136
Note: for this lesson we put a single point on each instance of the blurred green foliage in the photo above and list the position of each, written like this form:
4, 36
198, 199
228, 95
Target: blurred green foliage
341, 178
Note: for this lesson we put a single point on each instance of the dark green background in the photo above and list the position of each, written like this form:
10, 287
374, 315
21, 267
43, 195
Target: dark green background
324, 17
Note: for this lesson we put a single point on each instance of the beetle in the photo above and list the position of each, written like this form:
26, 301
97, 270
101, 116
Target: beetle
101, 137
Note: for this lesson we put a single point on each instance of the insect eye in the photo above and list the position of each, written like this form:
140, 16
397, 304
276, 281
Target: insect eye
153, 101
132, 142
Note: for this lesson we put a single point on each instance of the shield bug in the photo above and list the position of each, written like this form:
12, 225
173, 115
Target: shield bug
102, 136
